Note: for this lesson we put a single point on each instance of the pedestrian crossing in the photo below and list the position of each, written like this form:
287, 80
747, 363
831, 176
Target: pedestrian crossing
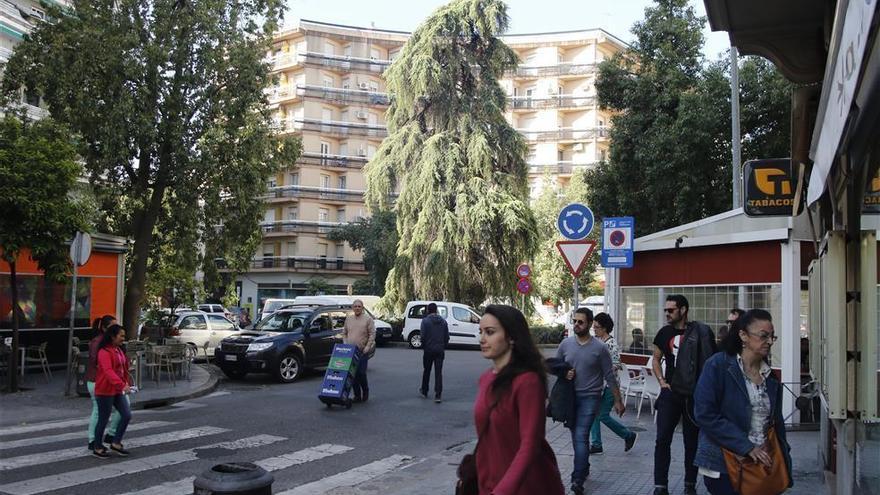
63, 464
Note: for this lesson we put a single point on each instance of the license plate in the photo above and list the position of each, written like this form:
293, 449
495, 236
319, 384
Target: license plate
231, 357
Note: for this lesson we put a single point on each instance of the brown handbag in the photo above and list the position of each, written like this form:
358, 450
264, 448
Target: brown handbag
752, 478
467, 483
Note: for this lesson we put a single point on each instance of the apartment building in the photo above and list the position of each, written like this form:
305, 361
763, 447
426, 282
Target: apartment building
17, 18
331, 92
553, 104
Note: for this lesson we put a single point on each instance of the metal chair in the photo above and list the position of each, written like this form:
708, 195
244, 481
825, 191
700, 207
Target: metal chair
651, 390
37, 354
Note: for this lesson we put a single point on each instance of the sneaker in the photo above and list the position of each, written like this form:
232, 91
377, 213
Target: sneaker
577, 489
596, 450
437, 399
628, 445
119, 450
661, 490
101, 454
690, 489
423, 394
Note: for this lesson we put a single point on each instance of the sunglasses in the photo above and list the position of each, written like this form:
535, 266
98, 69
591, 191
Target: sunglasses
730, 322
670, 310
580, 322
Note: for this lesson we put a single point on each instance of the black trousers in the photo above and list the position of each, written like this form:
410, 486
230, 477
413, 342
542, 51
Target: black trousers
672, 408
434, 359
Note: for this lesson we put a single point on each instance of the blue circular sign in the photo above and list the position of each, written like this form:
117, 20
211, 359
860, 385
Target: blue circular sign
575, 221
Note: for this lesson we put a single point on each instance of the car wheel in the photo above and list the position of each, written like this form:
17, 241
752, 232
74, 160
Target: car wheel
234, 374
415, 340
289, 368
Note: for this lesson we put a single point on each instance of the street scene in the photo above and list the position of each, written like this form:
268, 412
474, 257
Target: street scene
453, 246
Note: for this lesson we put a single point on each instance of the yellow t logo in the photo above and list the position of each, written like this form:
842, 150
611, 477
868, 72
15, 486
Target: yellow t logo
767, 178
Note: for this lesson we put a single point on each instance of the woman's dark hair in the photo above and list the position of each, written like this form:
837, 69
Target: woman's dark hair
524, 354
101, 324
733, 344
604, 320
110, 334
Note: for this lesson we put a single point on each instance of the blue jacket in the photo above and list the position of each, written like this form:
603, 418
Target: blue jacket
723, 412
435, 333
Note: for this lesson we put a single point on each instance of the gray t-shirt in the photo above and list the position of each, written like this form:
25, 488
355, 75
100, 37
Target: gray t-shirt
591, 363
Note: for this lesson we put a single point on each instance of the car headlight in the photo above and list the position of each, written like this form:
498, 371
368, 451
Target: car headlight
259, 346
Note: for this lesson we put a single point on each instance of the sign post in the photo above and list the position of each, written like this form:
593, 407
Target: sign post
524, 285
575, 222
617, 242
80, 251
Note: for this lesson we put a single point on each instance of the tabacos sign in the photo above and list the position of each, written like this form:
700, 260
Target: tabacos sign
769, 186
872, 196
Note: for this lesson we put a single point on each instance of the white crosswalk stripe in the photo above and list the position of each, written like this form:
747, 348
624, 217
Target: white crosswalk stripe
51, 425
351, 477
60, 455
105, 471
75, 435
270, 464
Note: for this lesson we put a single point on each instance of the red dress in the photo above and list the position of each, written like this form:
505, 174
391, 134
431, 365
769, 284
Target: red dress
513, 456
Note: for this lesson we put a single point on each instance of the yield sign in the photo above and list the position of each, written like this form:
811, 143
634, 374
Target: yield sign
576, 254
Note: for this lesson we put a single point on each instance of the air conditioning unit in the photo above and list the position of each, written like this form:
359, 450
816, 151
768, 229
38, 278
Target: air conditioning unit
361, 115
578, 147
362, 152
363, 85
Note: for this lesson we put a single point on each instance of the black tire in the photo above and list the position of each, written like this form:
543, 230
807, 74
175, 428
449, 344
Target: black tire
288, 368
415, 340
234, 374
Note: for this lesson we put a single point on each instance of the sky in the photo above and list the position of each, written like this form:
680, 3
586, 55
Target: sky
526, 16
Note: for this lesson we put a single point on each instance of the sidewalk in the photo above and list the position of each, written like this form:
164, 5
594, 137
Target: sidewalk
46, 401
613, 473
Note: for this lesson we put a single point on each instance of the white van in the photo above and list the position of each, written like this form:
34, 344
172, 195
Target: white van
271, 306
463, 321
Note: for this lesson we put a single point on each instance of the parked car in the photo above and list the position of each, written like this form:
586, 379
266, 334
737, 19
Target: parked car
285, 343
155, 324
200, 328
383, 330
464, 322
216, 309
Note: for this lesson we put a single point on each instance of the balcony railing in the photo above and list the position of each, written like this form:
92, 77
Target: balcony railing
338, 128
563, 69
560, 167
561, 101
277, 93
300, 227
344, 95
350, 195
345, 63
308, 263
565, 134
332, 161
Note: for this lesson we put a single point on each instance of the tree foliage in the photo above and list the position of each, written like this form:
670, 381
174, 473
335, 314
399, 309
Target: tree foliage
377, 238
38, 174
463, 218
553, 280
670, 154
168, 97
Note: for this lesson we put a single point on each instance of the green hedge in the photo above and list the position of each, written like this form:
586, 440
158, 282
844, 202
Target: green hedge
544, 334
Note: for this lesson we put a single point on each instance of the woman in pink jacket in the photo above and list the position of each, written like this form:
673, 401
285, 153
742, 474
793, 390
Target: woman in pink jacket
111, 385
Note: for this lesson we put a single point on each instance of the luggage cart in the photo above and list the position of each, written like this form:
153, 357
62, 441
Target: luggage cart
336, 386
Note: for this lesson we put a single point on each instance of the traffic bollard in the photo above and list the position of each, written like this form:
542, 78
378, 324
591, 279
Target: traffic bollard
234, 478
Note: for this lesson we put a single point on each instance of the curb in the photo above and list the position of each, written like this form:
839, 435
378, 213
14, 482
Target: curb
211, 385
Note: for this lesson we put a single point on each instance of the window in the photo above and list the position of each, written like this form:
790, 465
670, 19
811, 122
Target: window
461, 314
346, 83
342, 182
291, 248
325, 181
194, 322
329, 49
325, 148
340, 251
340, 215
321, 323
38, 13
338, 319
273, 182
294, 179
323, 215
293, 213
220, 323
418, 311
328, 82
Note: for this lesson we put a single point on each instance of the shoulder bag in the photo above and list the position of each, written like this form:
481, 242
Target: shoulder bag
467, 483
753, 478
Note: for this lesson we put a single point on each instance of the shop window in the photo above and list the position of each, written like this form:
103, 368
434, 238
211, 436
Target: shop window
45, 304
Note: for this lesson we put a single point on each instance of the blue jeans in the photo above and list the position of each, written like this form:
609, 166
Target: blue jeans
605, 418
93, 419
586, 409
105, 404
359, 386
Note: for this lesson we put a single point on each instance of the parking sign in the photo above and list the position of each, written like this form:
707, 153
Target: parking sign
617, 242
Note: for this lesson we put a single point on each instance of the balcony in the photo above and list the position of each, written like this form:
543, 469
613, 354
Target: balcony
558, 70
345, 64
307, 263
565, 134
561, 101
300, 227
320, 193
285, 60
336, 95
337, 128
560, 167
277, 94
332, 161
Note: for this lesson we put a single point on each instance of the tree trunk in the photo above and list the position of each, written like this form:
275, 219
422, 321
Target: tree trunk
143, 238
13, 358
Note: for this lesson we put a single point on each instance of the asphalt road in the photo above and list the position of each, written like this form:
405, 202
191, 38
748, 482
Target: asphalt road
266, 420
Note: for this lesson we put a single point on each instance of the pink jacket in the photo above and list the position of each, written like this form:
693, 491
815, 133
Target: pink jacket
112, 374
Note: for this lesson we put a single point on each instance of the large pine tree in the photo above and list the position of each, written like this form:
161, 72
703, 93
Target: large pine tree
463, 217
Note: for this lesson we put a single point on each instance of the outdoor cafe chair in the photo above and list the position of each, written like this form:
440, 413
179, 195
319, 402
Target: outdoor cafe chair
651, 390
631, 384
37, 354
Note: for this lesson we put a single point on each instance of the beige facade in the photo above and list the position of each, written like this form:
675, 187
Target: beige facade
330, 91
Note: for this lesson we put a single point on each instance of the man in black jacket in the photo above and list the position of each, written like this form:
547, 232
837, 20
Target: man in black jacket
435, 336
684, 346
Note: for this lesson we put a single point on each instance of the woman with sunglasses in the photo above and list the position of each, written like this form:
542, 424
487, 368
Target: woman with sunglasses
736, 403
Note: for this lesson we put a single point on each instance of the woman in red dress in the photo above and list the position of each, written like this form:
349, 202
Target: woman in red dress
513, 457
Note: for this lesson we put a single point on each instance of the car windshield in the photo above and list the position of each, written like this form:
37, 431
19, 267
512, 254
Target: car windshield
283, 321
273, 306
